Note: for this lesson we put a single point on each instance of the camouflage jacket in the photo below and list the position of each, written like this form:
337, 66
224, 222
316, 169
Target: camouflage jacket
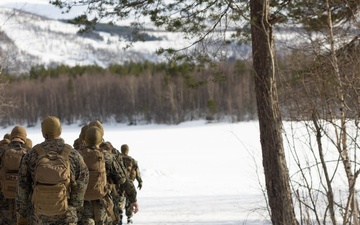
134, 172
79, 179
124, 183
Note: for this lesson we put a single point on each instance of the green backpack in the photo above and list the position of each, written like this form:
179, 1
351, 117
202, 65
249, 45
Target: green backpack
10, 162
52, 181
97, 187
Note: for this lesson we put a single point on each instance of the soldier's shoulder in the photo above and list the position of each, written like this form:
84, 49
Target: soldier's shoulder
74, 154
106, 145
4, 142
109, 156
128, 157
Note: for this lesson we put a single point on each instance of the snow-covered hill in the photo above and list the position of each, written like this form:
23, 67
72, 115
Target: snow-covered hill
28, 39
32, 34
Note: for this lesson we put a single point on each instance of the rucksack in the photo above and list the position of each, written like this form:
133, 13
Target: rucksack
129, 166
52, 181
10, 162
95, 161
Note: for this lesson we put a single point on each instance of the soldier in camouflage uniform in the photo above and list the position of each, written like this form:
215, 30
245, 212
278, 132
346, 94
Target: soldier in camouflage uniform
5, 140
116, 194
28, 143
100, 212
7, 205
133, 173
80, 141
79, 176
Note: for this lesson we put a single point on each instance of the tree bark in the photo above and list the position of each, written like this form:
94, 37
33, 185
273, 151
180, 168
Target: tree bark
274, 162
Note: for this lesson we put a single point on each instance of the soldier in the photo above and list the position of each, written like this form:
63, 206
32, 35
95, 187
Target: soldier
133, 172
28, 143
5, 140
98, 205
79, 142
54, 176
115, 193
10, 157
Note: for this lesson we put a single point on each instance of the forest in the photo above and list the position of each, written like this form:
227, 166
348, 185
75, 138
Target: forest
132, 93
170, 93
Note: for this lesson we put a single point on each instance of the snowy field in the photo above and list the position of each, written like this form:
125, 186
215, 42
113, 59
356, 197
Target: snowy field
193, 173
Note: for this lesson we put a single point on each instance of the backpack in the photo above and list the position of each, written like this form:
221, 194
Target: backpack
51, 181
10, 163
97, 187
129, 166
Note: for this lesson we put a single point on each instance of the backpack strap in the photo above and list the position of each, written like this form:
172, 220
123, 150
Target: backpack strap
65, 152
39, 150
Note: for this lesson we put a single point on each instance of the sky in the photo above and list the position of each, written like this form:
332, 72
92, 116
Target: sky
193, 173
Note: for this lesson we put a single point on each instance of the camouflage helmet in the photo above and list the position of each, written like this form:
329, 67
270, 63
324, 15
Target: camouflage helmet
18, 132
51, 127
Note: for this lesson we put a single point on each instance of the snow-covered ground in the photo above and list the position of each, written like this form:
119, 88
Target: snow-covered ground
193, 173
203, 173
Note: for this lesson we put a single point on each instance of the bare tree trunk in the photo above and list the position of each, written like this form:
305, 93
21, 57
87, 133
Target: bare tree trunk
274, 162
330, 193
342, 143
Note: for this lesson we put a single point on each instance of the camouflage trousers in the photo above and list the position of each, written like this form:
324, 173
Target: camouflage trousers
97, 212
69, 218
7, 212
125, 204
117, 205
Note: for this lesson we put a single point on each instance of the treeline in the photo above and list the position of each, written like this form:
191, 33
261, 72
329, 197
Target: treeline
132, 93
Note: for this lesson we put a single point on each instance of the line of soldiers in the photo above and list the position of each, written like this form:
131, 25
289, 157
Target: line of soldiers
28, 196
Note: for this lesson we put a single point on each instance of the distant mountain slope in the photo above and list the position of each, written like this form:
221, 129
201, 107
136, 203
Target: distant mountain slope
28, 39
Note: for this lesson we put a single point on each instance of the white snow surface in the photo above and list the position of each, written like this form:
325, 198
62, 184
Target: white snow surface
193, 173
204, 173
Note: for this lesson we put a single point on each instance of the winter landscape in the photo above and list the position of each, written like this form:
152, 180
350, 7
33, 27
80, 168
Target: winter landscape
193, 173
196, 172
202, 173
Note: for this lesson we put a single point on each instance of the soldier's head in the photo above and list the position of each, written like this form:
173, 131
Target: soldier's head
7, 136
82, 132
76, 143
51, 127
28, 143
93, 136
125, 149
106, 145
18, 133
98, 124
